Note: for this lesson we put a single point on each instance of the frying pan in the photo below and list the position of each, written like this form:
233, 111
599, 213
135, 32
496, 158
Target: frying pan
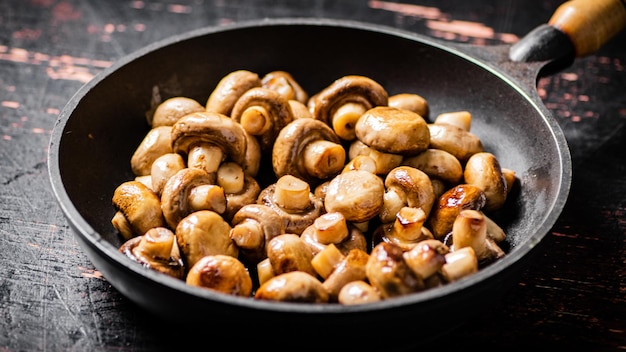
101, 126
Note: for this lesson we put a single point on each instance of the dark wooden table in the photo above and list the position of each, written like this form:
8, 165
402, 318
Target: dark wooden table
51, 296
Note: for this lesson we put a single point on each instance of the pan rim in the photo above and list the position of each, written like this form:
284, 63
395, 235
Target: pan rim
83, 229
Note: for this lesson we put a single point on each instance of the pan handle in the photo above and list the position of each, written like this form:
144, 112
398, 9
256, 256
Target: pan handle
577, 28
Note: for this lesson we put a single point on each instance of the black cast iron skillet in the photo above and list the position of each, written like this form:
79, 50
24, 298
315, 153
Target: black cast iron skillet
99, 129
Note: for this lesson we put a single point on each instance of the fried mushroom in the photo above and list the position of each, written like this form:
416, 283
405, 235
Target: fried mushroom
221, 273
156, 250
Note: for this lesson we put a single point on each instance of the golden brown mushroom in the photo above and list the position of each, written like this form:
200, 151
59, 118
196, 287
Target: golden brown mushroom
164, 167
450, 204
253, 226
138, 209
292, 199
333, 228
470, 230
262, 112
410, 101
340, 104
285, 84
203, 233
155, 143
156, 250
388, 272
294, 286
392, 130
190, 190
222, 273
455, 140
229, 89
427, 258
357, 194
172, 109
437, 164
308, 149
350, 268
240, 188
406, 186
406, 231
461, 119
358, 292
383, 162
287, 252
483, 170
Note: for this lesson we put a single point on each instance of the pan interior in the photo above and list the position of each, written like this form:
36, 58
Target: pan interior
108, 122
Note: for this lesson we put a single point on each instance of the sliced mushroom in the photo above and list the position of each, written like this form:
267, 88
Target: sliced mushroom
295, 286
229, 89
388, 272
253, 226
209, 138
262, 112
308, 149
450, 204
470, 230
483, 170
351, 268
156, 250
177, 198
172, 109
287, 252
155, 143
392, 130
410, 101
357, 194
139, 206
285, 84
406, 186
340, 104
221, 273
292, 199
203, 233
437, 164
358, 292
455, 140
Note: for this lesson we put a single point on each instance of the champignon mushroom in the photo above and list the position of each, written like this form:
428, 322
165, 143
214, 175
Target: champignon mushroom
406, 231
358, 292
426, 258
229, 89
203, 233
292, 199
455, 140
294, 286
299, 110
459, 264
222, 273
240, 188
387, 271
155, 143
208, 138
392, 130
308, 149
333, 228
410, 101
172, 109
357, 194
340, 104
287, 252
461, 119
350, 268
285, 84
253, 226
470, 230
164, 167
190, 190
139, 208
262, 112
450, 204
383, 162
156, 250
437, 164
483, 170
406, 186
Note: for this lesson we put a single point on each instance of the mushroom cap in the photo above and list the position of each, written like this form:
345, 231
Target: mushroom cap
270, 222
284, 83
294, 221
483, 170
393, 130
290, 145
139, 205
203, 233
172, 109
357, 194
210, 127
274, 103
222, 273
388, 272
175, 194
348, 89
154, 144
171, 265
229, 89
248, 195
450, 204
455, 140
414, 185
294, 286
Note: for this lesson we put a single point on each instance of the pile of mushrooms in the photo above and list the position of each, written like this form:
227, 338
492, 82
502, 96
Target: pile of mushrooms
368, 200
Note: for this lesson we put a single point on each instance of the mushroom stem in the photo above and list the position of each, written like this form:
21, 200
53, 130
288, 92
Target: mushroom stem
331, 228
256, 120
207, 197
344, 120
325, 261
470, 230
205, 156
459, 264
248, 234
156, 243
323, 158
408, 223
231, 177
292, 193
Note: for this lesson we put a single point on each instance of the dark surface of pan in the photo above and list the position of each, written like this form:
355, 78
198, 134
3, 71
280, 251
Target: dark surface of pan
99, 129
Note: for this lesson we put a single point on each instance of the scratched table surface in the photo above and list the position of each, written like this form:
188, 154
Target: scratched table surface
573, 296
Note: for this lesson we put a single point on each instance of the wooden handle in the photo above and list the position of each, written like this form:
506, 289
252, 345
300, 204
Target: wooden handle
590, 23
